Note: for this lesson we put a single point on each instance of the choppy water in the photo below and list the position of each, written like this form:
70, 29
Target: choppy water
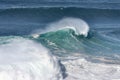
59, 40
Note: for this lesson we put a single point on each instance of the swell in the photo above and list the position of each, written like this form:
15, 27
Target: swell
67, 42
19, 19
56, 13
52, 7
78, 4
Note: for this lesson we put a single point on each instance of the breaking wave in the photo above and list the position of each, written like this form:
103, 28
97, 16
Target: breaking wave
71, 35
78, 25
23, 59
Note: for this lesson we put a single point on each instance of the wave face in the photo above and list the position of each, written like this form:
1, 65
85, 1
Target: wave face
66, 40
59, 40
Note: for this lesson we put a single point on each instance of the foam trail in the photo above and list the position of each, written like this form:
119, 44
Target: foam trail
23, 59
78, 25
85, 70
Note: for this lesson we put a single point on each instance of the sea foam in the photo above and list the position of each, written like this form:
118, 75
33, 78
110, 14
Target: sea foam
82, 69
23, 59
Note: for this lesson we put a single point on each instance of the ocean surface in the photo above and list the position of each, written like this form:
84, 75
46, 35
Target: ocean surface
59, 40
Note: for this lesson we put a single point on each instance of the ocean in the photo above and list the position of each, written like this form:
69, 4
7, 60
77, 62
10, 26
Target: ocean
59, 40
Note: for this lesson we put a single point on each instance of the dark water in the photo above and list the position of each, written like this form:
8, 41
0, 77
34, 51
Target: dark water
22, 18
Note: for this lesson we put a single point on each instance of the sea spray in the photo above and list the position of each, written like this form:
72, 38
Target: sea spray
78, 25
23, 59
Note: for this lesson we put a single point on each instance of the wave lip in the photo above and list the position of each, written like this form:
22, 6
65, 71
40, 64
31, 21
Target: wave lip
78, 25
23, 59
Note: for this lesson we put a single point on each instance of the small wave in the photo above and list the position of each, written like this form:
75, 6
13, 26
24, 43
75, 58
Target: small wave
62, 4
23, 59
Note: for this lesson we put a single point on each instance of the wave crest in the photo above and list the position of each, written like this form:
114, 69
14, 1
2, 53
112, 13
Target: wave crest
78, 25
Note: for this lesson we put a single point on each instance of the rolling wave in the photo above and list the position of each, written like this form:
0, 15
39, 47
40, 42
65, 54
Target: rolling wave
66, 39
78, 25
94, 54
73, 35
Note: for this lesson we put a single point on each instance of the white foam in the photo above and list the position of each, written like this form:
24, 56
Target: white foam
81, 69
79, 25
23, 59
35, 35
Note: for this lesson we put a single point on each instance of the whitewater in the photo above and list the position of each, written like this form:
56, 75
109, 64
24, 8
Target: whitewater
59, 40
23, 59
